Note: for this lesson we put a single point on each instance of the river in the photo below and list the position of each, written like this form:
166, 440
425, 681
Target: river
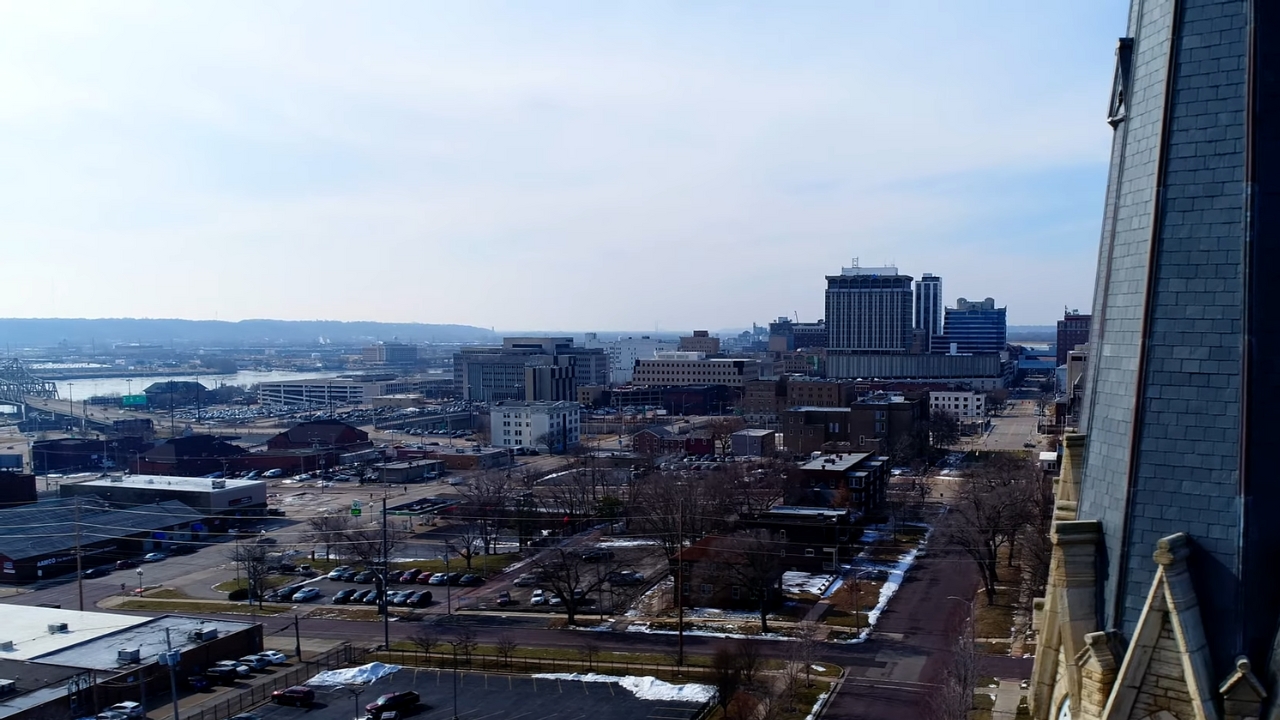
89, 387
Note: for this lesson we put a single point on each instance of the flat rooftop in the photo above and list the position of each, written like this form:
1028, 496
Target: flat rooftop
27, 626
797, 511
818, 408
835, 463
170, 482
148, 636
755, 432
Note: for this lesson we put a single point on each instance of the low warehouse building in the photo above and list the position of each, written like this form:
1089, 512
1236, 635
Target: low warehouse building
409, 471
104, 535
207, 496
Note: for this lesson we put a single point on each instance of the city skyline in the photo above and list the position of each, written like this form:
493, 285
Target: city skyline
390, 163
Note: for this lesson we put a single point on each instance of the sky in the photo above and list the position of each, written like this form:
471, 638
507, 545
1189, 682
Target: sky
558, 165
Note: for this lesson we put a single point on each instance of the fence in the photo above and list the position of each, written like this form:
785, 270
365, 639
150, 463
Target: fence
260, 692
527, 665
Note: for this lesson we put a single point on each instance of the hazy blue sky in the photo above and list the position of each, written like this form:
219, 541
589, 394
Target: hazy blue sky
546, 164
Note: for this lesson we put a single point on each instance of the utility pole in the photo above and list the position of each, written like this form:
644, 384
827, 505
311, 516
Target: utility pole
680, 581
386, 612
79, 560
172, 657
297, 640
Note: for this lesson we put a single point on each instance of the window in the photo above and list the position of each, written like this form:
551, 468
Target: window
736, 592
705, 589
808, 552
686, 589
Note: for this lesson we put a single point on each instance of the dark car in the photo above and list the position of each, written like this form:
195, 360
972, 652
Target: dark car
392, 702
504, 598
96, 572
342, 597
365, 577
597, 555
470, 579
297, 695
183, 549
425, 579
455, 578
199, 683
126, 564
409, 576
372, 598
624, 577
421, 598
360, 595
224, 675
349, 576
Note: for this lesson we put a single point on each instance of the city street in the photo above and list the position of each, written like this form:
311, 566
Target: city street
1010, 431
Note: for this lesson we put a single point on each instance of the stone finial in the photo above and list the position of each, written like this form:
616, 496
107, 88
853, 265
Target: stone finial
1172, 549
1242, 694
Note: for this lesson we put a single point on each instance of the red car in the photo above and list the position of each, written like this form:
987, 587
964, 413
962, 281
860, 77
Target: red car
297, 695
424, 578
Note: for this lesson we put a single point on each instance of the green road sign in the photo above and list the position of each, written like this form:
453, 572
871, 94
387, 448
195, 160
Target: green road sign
133, 400
355, 508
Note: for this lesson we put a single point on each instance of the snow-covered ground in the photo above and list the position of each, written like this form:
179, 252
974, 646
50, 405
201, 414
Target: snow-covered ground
888, 590
817, 706
802, 582
645, 688
627, 542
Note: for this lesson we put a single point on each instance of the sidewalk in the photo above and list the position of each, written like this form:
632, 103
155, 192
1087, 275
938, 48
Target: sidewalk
1008, 695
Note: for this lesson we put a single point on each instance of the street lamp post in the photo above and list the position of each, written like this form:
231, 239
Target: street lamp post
454, 644
71, 403
139, 581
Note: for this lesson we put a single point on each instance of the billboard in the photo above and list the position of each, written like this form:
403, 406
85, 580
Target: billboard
133, 400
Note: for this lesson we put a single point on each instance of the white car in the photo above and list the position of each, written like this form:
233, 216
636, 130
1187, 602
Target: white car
539, 597
154, 557
305, 594
128, 708
554, 600
273, 473
276, 658
241, 669
255, 662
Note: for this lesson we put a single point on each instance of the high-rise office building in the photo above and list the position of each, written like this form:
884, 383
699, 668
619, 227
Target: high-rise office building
1073, 330
928, 308
534, 368
973, 327
1164, 591
869, 311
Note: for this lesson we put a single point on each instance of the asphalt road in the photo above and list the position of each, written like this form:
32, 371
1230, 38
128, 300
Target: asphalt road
1010, 431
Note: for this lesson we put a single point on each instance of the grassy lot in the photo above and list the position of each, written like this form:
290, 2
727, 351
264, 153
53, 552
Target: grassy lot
995, 620
196, 606
167, 594
982, 704
269, 582
576, 655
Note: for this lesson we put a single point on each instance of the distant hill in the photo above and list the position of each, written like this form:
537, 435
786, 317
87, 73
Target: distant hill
46, 332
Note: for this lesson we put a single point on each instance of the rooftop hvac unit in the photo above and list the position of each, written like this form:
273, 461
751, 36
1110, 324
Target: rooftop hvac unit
219, 484
6, 646
117, 479
7, 686
131, 655
55, 628
204, 634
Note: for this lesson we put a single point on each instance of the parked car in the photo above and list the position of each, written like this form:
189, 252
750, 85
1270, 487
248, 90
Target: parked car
183, 549
455, 578
422, 598
336, 573
597, 555
409, 576
153, 557
439, 579
97, 572
554, 600
349, 576
425, 578
365, 577
625, 577
372, 598
273, 473
110, 715
245, 716
470, 579
199, 683
222, 674
343, 596
276, 657
255, 662
526, 580
297, 695
539, 597
392, 702
128, 708
504, 598
241, 669
360, 595
306, 594
126, 564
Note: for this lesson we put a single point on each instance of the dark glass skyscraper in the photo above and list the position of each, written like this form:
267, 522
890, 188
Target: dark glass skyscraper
1184, 372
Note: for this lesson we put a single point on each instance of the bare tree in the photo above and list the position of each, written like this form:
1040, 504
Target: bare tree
365, 542
722, 430
327, 531
755, 563
487, 503
954, 699
996, 501
549, 440
589, 650
572, 578
727, 673
506, 648
425, 638
749, 660
463, 641
944, 429
806, 649
252, 559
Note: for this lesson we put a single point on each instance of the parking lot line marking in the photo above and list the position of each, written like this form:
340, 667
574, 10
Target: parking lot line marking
610, 686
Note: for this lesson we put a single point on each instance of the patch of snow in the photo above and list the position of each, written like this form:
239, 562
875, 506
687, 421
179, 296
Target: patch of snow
642, 627
817, 705
628, 542
802, 582
819, 668
353, 676
888, 590
644, 688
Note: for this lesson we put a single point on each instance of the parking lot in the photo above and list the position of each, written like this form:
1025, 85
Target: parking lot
484, 696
